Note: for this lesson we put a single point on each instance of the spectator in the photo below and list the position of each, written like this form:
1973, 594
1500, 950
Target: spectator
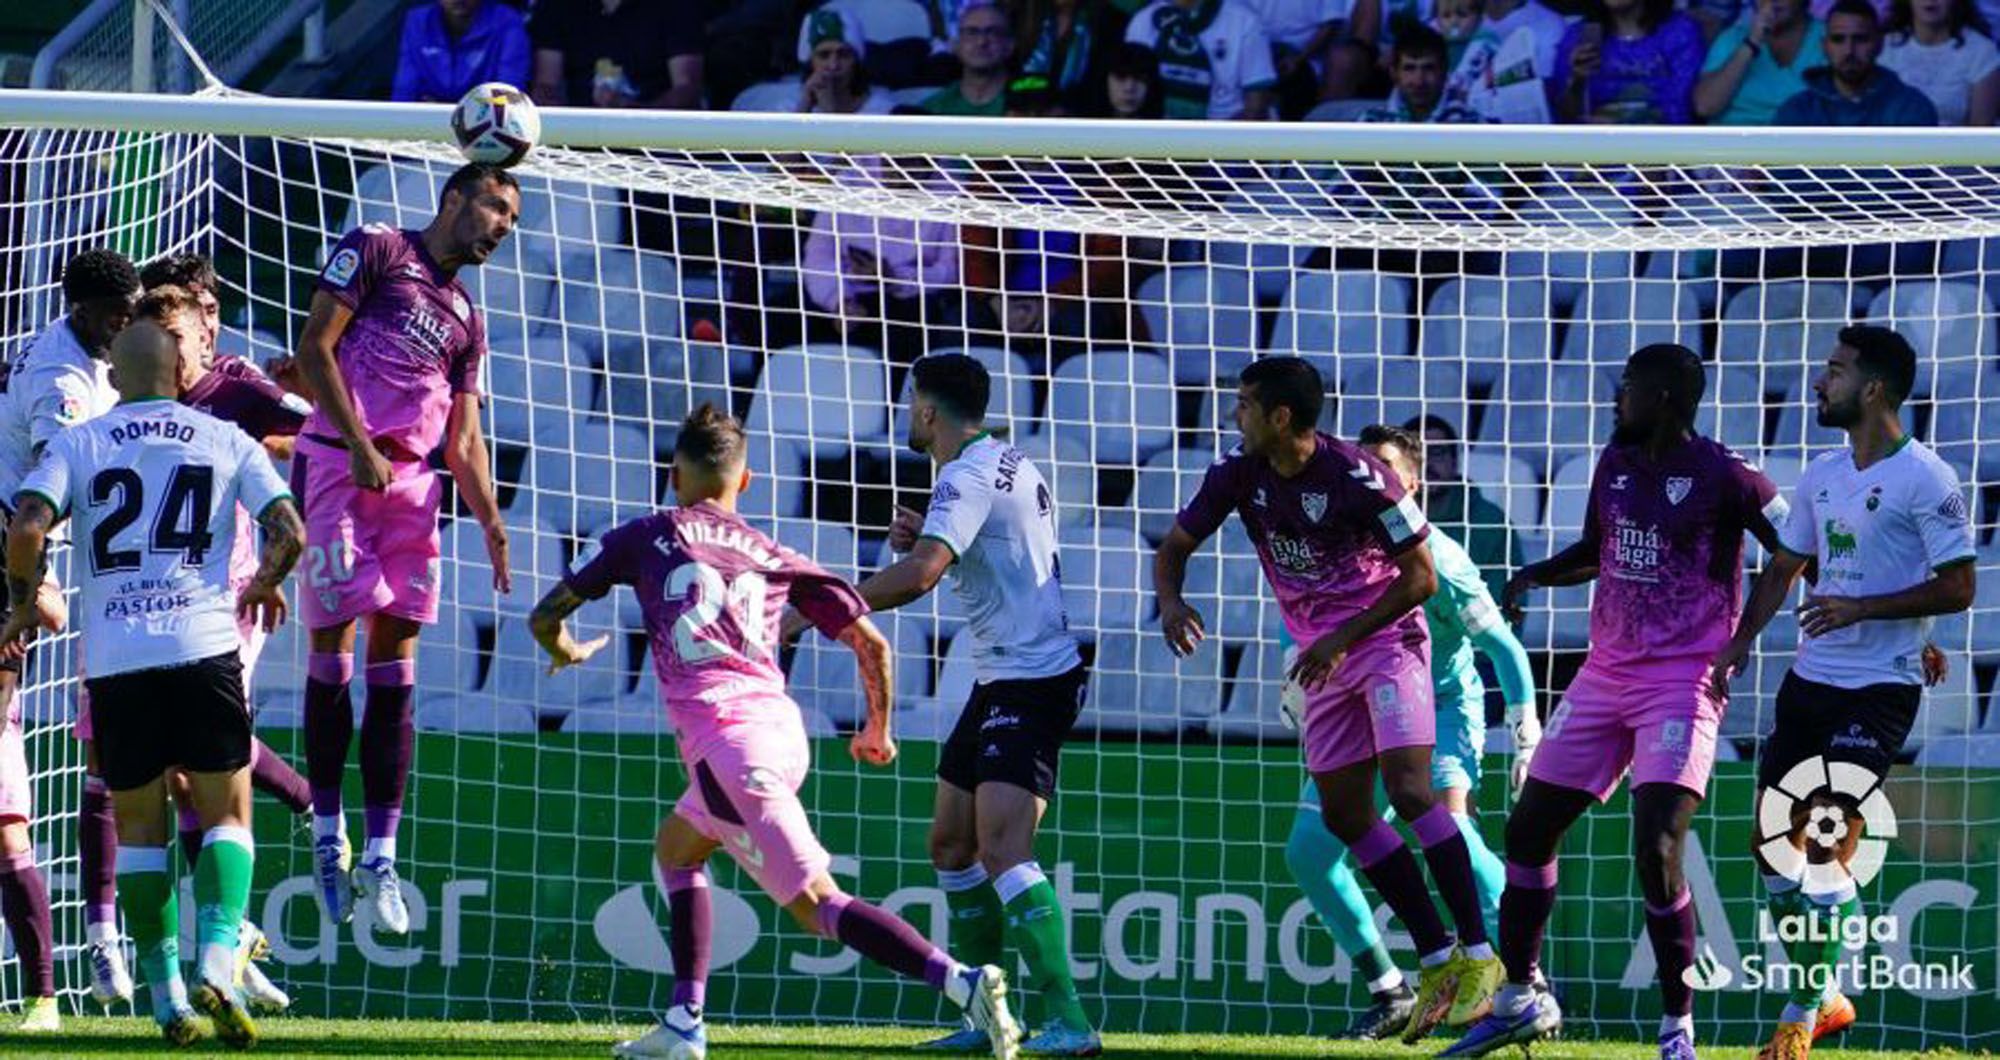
831, 44
1461, 510
618, 53
1215, 61
1301, 31
1944, 49
452, 45
984, 45
1459, 23
1545, 28
1853, 88
1498, 72
1629, 62
1131, 88
1069, 44
877, 281
746, 45
1757, 64
1417, 66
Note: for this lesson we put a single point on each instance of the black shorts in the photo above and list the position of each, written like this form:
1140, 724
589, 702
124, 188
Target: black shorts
1865, 726
192, 715
1012, 732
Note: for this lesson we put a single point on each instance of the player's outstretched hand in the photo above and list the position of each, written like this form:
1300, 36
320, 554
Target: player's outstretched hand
1821, 615
496, 552
903, 532
372, 471
1317, 663
1936, 665
1513, 598
263, 604
1183, 626
568, 653
49, 603
285, 372
872, 745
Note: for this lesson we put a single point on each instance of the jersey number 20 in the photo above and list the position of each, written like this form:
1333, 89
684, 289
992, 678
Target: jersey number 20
180, 525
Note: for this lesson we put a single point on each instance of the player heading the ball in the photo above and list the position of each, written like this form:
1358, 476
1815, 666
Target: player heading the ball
391, 354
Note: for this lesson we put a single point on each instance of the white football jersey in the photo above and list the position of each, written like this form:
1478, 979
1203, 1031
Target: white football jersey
993, 510
55, 385
1875, 531
151, 488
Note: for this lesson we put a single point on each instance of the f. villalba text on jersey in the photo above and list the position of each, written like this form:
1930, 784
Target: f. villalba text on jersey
1852, 932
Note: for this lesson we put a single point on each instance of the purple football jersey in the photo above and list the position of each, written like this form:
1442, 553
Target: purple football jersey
1670, 556
1328, 537
415, 341
236, 391
712, 590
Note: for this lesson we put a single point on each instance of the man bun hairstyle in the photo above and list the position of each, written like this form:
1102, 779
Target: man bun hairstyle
711, 439
192, 271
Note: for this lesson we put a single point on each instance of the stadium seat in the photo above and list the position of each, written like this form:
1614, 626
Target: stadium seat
823, 676
1753, 693
528, 389
1507, 481
519, 665
1121, 401
1798, 432
278, 685
1397, 390
1204, 317
1787, 329
652, 388
1105, 587
1569, 272
513, 284
931, 717
830, 545
449, 663
1328, 315
1166, 481
640, 711
588, 473
1250, 707
1549, 414
1486, 323
1066, 466
1011, 405
828, 397
1965, 427
1952, 327
778, 480
1975, 751
566, 220
1116, 699
1952, 709
1620, 316
1271, 265
1558, 619
466, 574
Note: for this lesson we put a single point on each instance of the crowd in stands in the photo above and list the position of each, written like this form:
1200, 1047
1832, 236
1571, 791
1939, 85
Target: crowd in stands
1728, 62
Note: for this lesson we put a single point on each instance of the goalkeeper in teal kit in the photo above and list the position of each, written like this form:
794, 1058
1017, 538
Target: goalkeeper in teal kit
1463, 619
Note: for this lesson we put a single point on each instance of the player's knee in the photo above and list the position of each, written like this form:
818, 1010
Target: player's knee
1305, 848
805, 908
1528, 842
952, 849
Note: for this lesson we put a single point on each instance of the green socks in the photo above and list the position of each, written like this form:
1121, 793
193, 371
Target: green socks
977, 922
1035, 924
221, 894
148, 898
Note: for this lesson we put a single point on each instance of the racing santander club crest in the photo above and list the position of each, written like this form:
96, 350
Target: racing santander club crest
1678, 487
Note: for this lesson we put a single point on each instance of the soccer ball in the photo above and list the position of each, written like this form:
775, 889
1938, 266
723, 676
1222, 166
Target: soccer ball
496, 123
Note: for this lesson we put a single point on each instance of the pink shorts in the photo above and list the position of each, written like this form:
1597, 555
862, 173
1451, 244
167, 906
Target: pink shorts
17, 793
744, 794
1379, 700
1665, 731
365, 552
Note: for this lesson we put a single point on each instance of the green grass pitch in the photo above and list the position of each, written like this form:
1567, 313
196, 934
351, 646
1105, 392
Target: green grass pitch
311, 1039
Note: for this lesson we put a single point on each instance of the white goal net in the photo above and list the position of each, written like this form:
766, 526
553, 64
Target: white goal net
1114, 279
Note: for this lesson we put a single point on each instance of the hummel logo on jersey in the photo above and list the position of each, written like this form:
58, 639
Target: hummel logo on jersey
1619, 482
459, 306
1678, 487
1314, 505
413, 270
746, 851
1369, 478
1258, 499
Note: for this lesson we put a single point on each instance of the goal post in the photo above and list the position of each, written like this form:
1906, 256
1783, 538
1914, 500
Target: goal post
1114, 278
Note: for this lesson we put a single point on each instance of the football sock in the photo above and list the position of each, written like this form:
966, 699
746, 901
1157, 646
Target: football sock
690, 923
329, 725
1445, 851
387, 745
1672, 931
221, 894
1390, 866
272, 775
24, 903
1035, 923
978, 923
148, 898
1488, 872
1319, 864
97, 850
1524, 915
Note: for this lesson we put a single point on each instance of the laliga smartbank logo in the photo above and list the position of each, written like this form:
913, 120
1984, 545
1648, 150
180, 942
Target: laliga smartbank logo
1807, 832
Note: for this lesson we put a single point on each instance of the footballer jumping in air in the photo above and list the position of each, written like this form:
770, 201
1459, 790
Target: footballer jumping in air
62, 380
1340, 544
1663, 538
712, 590
390, 353
152, 488
1463, 619
1887, 524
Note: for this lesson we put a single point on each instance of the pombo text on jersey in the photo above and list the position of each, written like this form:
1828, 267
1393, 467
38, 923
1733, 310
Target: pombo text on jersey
496, 123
